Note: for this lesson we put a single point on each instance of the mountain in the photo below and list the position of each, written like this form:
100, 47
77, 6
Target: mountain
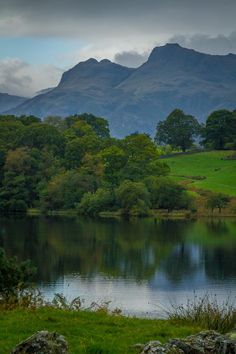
135, 99
46, 90
9, 101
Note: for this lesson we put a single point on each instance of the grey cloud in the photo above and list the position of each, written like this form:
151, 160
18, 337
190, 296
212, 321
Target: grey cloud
131, 58
112, 18
20, 78
10, 80
219, 44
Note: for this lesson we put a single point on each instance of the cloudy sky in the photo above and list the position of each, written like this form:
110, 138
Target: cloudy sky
41, 39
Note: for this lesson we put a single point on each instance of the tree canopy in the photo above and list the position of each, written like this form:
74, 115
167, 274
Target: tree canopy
220, 129
178, 130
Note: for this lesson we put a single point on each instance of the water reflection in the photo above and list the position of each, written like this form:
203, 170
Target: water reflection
135, 264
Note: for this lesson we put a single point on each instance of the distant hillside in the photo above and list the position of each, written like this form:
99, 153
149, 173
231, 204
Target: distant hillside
9, 101
135, 99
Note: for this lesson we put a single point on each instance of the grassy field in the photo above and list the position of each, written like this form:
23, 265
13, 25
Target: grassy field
205, 170
87, 332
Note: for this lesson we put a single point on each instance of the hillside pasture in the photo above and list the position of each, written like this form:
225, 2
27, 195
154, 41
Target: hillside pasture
214, 171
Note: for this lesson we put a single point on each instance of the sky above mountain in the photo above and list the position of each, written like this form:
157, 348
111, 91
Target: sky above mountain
41, 39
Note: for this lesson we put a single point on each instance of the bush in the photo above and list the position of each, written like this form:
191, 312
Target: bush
94, 203
134, 198
167, 194
65, 190
14, 275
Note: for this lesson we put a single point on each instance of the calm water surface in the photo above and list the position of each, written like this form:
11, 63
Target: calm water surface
140, 266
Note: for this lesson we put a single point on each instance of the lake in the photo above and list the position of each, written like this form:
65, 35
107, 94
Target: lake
141, 266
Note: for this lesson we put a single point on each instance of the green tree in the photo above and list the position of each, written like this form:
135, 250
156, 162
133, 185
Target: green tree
9, 132
217, 201
142, 157
19, 187
220, 129
41, 136
65, 190
28, 120
134, 198
94, 203
178, 130
114, 159
167, 194
74, 152
98, 124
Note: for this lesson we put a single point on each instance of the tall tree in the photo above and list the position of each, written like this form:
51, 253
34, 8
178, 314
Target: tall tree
220, 129
178, 130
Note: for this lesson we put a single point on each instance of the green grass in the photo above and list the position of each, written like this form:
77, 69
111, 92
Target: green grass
220, 174
87, 332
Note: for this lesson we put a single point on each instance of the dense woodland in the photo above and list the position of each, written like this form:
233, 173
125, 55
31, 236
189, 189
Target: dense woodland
74, 163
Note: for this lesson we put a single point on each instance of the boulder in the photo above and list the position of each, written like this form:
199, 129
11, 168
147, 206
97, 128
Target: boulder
206, 342
43, 342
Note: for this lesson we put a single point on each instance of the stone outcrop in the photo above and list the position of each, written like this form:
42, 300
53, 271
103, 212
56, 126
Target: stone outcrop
206, 342
43, 342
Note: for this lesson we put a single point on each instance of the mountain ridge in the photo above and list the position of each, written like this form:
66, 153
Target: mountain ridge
10, 101
135, 99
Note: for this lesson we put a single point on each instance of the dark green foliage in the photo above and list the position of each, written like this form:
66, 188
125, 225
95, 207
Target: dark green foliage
65, 190
99, 125
28, 120
217, 201
20, 179
166, 194
10, 129
142, 157
74, 153
94, 203
73, 163
41, 136
114, 159
134, 198
14, 275
220, 129
178, 130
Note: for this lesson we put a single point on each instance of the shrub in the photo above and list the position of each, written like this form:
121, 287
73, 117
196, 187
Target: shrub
94, 203
14, 275
167, 194
134, 198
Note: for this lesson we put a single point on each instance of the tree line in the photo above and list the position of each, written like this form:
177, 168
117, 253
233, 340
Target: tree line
74, 163
181, 130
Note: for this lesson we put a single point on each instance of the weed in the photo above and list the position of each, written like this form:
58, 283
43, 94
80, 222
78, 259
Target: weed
206, 312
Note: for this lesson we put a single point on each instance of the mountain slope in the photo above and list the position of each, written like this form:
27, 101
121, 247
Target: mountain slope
135, 99
9, 101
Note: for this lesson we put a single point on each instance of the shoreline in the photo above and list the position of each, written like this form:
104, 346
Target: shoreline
156, 215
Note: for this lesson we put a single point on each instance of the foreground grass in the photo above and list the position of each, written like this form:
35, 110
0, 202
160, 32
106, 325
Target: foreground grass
88, 332
219, 173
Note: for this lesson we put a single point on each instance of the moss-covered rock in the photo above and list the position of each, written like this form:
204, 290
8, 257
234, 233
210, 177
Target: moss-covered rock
43, 342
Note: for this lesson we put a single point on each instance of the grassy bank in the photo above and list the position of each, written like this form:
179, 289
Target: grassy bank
87, 332
212, 171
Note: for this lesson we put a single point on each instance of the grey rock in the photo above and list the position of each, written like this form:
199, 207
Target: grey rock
42, 342
206, 342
